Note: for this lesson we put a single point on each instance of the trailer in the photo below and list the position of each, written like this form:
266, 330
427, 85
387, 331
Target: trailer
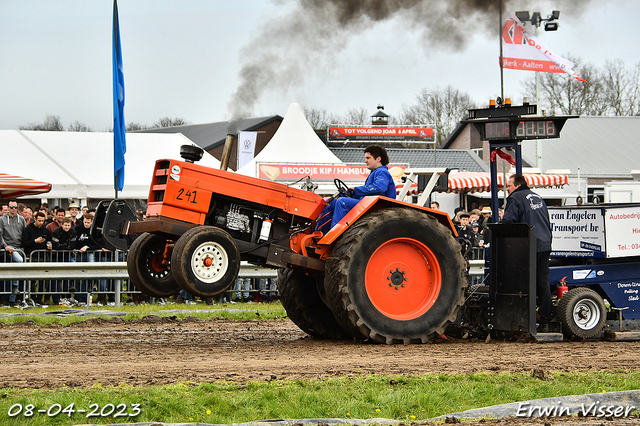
594, 276
595, 269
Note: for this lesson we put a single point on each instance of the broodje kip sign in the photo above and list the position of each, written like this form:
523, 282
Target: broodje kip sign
287, 172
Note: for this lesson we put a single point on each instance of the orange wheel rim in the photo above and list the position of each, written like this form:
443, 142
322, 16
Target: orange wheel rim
403, 279
156, 263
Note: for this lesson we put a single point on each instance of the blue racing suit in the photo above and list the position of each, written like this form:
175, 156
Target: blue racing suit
379, 182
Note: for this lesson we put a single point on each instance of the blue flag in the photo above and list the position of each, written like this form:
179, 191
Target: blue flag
119, 142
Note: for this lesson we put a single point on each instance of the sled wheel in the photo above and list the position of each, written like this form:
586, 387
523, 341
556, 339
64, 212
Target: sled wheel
205, 261
146, 268
300, 297
582, 313
395, 276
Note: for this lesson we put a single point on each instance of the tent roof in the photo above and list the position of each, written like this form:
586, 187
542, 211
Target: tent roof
80, 164
295, 141
16, 186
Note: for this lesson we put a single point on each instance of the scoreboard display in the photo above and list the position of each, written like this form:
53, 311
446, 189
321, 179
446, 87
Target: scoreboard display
521, 129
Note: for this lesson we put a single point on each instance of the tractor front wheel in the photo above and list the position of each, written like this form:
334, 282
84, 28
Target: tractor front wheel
205, 261
148, 269
395, 276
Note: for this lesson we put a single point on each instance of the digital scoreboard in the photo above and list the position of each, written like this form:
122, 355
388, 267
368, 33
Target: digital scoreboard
521, 129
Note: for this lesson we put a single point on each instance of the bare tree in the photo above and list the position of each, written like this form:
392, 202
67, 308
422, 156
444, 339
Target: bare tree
611, 90
622, 89
319, 118
356, 116
132, 127
170, 122
440, 108
51, 123
77, 126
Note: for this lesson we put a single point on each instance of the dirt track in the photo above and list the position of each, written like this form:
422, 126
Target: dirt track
159, 351
156, 350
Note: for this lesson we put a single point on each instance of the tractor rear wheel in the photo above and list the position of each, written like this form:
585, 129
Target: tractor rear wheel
395, 276
582, 313
147, 266
300, 297
205, 261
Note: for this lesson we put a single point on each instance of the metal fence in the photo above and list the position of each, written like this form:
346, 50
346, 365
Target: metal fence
62, 274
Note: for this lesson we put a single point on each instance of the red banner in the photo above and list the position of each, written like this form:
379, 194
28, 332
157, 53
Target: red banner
321, 172
381, 133
530, 65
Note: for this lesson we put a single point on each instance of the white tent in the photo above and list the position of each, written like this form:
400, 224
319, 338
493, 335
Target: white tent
80, 164
294, 142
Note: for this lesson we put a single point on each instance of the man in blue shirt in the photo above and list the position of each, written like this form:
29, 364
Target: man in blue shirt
379, 182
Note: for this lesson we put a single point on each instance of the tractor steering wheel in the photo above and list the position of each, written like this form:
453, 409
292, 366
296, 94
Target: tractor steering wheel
343, 189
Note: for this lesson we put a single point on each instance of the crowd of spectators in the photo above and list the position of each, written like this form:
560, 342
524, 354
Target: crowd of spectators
60, 235
44, 236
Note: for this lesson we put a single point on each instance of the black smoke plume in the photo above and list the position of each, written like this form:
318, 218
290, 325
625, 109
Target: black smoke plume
308, 38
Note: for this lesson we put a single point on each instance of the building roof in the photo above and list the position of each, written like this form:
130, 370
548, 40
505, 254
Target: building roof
211, 135
598, 146
461, 159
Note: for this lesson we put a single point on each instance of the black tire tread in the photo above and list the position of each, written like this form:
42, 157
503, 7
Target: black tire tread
180, 261
300, 298
564, 312
349, 243
137, 273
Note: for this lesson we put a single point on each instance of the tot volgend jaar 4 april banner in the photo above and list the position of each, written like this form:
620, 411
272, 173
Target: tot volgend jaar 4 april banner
524, 51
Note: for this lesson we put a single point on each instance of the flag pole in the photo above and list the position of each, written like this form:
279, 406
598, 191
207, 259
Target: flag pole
501, 54
119, 140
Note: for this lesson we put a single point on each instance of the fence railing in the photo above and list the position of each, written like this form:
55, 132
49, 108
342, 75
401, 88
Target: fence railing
48, 273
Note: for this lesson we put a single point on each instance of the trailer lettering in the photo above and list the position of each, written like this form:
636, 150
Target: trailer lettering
578, 216
620, 216
570, 228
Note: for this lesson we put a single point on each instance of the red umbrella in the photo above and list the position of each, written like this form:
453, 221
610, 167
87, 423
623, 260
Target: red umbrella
17, 186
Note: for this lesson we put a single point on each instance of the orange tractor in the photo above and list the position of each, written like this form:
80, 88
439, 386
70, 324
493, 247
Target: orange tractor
390, 271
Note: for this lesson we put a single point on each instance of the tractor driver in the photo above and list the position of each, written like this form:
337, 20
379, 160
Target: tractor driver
379, 182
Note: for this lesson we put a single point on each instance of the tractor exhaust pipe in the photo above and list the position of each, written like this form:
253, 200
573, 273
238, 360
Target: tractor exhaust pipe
228, 146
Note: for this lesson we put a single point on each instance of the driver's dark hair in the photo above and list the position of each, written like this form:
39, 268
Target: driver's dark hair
378, 151
518, 179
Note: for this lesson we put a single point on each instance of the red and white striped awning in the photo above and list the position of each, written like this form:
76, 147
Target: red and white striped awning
481, 182
17, 186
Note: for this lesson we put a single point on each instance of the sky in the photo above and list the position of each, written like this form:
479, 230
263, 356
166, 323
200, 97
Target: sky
191, 58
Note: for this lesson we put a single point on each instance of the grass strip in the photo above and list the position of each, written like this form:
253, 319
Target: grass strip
238, 311
402, 398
